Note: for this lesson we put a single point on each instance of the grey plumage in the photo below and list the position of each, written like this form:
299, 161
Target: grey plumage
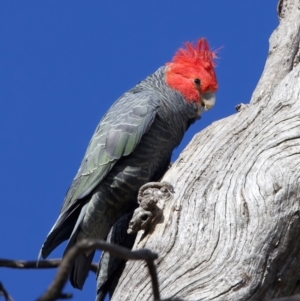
110, 268
130, 147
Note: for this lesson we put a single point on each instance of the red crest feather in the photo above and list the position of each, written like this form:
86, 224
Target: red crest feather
189, 63
196, 54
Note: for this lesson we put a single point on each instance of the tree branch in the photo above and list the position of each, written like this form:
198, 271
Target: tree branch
283, 53
3, 292
35, 264
54, 290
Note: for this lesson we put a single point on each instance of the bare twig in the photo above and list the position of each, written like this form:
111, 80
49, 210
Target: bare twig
153, 274
54, 290
65, 296
32, 264
94, 267
4, 293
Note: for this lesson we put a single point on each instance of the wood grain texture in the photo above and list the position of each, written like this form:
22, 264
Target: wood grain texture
232, 229
283, 50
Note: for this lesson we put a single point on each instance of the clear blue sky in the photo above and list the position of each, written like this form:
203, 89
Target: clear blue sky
62, 65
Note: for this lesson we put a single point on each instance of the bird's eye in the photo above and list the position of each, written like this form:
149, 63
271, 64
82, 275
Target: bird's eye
197, 81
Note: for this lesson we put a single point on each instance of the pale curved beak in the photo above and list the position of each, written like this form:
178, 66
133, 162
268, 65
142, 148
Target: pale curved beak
209, 100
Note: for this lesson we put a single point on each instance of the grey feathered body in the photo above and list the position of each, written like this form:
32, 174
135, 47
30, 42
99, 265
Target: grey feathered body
131, 146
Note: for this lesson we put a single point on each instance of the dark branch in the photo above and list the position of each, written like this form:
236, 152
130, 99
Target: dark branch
94, 267
154, 279
54, 290
64, 296
4, 293
34, 264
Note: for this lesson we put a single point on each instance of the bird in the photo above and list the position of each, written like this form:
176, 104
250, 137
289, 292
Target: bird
131, 146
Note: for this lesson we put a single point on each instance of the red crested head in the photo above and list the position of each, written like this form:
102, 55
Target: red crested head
191, 71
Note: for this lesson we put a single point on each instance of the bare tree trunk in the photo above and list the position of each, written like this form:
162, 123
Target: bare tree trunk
232, 230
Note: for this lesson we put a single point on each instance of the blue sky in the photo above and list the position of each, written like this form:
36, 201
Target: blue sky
62, 65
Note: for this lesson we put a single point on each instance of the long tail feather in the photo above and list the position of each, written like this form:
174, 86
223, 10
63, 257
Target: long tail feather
81, 269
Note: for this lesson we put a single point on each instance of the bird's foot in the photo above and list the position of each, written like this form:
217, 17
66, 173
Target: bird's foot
148, 213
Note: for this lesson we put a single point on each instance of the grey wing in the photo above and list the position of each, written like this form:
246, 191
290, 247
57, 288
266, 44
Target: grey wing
117, 135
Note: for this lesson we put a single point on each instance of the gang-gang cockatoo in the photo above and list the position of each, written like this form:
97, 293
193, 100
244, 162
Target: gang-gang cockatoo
131, 146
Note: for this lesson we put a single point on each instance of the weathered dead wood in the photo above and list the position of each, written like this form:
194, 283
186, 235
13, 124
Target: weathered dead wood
231, 230
149, 212
284, 51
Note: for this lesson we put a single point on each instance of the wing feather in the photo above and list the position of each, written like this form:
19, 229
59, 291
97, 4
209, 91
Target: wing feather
117, 135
